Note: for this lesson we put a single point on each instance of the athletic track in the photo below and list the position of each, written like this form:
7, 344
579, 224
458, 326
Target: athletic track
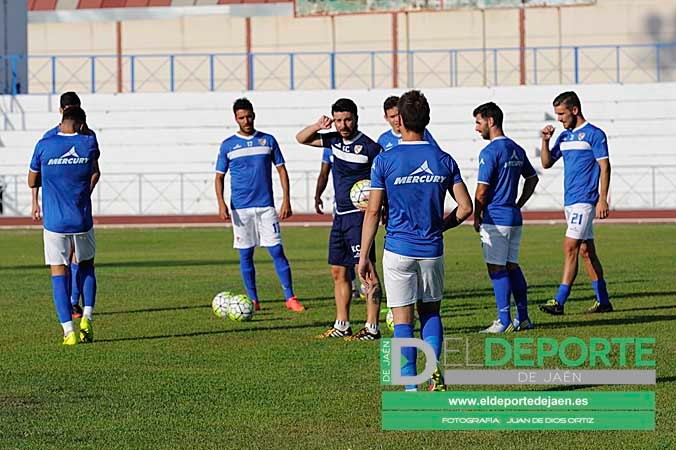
530, 217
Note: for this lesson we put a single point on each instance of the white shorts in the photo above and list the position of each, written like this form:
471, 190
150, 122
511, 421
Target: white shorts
256, 227
500, 243
408, 280
580, 220
58, 247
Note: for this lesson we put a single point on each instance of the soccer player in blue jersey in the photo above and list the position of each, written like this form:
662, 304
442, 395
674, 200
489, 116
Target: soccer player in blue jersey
392, 137
353, 153
497, 216
67, 100
414, 177
249, 155
584, 149
65, 165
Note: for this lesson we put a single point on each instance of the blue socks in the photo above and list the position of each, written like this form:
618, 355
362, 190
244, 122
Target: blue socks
520, 292
432, 331
562, 294
60, 294
282, 268
503, 292
601, 291
74, 284
246, 267
88, 280
409, 353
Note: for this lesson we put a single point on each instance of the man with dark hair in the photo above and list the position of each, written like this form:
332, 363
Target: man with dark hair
65, 165
249, 155
497, 216
414, 176
392, 137
353, 154
584, 149
67, 100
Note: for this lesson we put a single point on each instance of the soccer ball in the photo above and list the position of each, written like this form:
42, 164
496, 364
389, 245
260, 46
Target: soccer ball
359, 193
220, 303
241, 308
389, 320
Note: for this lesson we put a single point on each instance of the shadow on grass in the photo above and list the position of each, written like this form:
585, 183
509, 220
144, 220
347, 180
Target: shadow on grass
609, 321
219, 332
148, 310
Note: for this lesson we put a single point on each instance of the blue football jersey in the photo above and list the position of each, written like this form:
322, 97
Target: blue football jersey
352, 162
501, 164
65, 163
327, 156
581, 148
249, 160
415, 177
389, 139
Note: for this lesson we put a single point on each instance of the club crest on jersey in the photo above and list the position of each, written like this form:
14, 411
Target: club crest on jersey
261, 142
358, 148
580, 136
70, 157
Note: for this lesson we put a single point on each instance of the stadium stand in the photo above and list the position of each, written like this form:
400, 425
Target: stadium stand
170, 141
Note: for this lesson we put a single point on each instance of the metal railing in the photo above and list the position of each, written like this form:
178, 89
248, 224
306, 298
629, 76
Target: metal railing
195, 72
171, 193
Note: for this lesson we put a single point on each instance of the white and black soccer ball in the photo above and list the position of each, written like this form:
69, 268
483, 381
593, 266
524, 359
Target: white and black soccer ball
359, 194
241, 308
220, 304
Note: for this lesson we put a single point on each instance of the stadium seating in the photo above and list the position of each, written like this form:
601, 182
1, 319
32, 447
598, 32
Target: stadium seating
172, 133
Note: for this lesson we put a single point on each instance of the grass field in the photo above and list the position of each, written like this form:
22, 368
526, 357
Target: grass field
164, 372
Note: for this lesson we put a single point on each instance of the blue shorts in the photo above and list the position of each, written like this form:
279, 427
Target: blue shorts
345, 240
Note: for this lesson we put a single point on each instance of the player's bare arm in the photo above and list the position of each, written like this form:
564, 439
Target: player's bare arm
285, 211
545, 156
96, 175
463, 210
219, 184
310, 134
602, 209
322, 181
528, 190
480, 200
368, 234
36, 212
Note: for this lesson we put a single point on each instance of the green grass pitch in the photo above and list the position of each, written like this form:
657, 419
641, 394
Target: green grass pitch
165, 373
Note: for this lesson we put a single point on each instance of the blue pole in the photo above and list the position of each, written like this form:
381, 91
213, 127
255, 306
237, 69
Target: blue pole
171, 73
251, 71
617, 64
450, 68
495, 67
14, 77
291, 80
373, 70
332, 68
53, 75
657, 62
211, 73
576, 62
93, 67
455, 66
132, 77
535, 65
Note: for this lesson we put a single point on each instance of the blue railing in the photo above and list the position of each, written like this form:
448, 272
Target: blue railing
345, 70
